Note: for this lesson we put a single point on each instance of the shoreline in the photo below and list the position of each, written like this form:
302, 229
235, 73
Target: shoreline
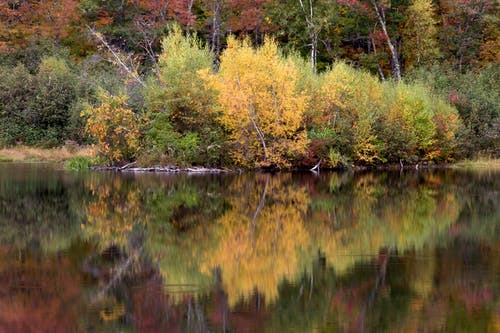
462, 165
26, 154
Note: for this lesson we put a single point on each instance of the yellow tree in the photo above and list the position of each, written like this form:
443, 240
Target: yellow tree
260, 104
350, 101
262, 236
420, 33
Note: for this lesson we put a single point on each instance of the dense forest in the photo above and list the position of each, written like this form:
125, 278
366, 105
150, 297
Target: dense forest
254, 84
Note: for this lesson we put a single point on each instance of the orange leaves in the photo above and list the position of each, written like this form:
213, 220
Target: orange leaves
35, 19
115, 128
246, 16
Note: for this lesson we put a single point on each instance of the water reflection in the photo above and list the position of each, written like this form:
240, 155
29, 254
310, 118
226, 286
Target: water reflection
416, 251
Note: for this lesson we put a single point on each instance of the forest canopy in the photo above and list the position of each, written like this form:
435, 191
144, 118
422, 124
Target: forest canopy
254, 84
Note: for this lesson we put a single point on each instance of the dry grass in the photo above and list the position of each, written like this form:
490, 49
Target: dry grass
32, 154
484, 162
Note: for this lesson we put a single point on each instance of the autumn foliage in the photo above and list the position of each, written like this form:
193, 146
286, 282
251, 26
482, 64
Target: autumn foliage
114, 127
261, 106
254, 84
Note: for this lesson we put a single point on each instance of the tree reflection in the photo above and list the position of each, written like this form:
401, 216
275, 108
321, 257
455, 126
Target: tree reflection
114, 208
38, 209
38, 295
260, 236
411, 251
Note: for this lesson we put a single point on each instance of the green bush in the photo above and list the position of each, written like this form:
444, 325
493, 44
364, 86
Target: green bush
183, 124
79, 163
165, 144
355, 117
477, 99
36, 109
408, 129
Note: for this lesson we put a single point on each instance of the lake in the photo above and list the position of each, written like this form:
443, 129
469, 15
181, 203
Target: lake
334, 252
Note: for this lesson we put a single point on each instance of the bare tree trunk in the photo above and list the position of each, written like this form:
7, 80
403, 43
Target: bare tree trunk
164, 12
190, 13
149, 37
396, 67
216, 31
313, 34
380, 72
116, 56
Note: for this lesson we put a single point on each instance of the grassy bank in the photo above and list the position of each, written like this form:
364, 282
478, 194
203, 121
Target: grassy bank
483, 162
31, 154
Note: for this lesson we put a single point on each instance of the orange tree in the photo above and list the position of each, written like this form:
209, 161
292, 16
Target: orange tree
114, 127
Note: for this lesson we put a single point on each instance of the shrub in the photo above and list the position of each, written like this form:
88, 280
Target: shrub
348, 111
408, 129
476, 97
183, 122
114, 127
79, 163
36, 109
360, 119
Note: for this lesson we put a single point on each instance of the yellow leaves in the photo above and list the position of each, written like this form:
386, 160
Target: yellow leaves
260, 104
112, 213
348, 102
420, 34
261, 238
115, 128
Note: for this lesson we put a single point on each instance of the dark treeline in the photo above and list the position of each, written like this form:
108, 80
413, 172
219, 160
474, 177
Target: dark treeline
266, 83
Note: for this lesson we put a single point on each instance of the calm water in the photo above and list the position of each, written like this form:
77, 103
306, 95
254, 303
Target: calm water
352, 252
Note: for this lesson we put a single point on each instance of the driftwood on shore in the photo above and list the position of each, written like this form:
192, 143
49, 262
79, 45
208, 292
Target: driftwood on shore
161, 169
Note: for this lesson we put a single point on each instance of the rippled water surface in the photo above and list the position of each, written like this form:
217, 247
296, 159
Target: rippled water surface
335, 252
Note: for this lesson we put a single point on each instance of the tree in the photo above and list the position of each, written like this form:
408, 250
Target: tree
260, 104
183, 122
420, 34
380, 13
215, 24
462, 33
114, 127
247, 17
378, 9
309, 27
22, 21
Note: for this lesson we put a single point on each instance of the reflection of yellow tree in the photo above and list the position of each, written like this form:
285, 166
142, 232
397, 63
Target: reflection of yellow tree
179, 257
112, 211
260, 236
381, 216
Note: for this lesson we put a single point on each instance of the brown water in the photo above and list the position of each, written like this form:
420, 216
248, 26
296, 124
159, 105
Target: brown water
351, 252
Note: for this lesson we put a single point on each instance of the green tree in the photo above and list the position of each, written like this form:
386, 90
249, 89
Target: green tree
183, 122
37, 109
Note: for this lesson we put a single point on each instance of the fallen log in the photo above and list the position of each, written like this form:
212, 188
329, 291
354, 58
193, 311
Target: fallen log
162, 169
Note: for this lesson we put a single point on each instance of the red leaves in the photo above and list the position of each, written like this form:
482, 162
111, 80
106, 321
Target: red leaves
22, 21
246, 15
